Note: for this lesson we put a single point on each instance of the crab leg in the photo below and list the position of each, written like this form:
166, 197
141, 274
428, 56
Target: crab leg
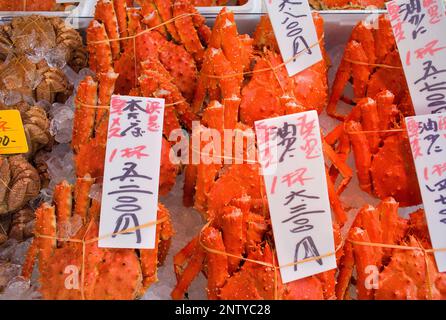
63, 201
363, 156
41, 247
106, 88
339, 163
190, 179
335, 202
151, 16
149, 258
386, 109
101, 59
165, 10
186, 29
370, 122
345, 271
82, 196
105, 12
217, 263
120, 7
364, 256
361, 73
84, 115
370, 222
388, 213
232, 228
191, 271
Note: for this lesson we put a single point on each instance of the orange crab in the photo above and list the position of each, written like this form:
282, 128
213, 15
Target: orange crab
371, 60
402, 274
239, 229
237, 107
72, 266
375, 132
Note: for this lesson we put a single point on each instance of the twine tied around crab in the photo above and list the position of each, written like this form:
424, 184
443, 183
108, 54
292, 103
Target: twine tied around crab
378, 65
273, 266
85, 242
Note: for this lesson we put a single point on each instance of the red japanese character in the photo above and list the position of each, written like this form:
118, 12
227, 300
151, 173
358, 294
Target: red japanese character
153, 107
428, 49
442, 123
115, 128
398, 32
112, 155
296, 176
434, 14
153, 125
134, 152
117, 106
306, 128
393, 10
439, 169
310, 149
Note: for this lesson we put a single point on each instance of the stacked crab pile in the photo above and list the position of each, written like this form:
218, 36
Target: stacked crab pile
390, 255
243, 80
374, 128
140, 64
33, 52
226, 80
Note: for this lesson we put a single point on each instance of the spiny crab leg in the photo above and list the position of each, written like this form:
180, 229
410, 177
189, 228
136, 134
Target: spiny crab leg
63, 202
363, 156
101, 59
85, 113
105, 13
42, 248
193, 256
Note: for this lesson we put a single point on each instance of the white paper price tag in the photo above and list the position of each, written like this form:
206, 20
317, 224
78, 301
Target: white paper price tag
295, 33
419, 28
427, 135
290, 153
132, 169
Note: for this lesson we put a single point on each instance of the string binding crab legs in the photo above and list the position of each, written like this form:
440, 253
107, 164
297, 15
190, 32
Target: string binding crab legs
235, 248
392, 257
374, 129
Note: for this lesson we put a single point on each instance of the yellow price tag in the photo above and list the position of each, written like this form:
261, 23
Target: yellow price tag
12, 133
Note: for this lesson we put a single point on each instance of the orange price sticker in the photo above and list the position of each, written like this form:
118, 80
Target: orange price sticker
12, 133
